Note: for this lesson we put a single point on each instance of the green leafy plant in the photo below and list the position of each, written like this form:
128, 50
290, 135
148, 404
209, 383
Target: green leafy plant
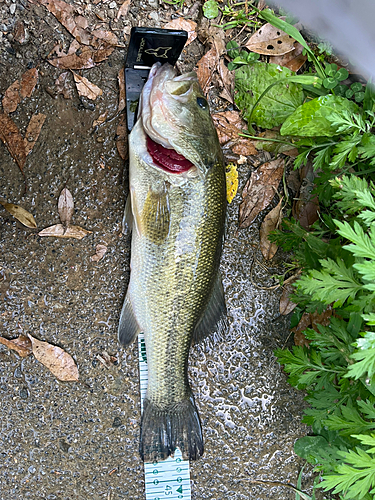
211, 9
338, 370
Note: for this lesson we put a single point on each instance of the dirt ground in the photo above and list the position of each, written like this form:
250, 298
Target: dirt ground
64, 441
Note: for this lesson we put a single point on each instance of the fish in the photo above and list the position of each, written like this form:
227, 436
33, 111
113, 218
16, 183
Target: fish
176, 210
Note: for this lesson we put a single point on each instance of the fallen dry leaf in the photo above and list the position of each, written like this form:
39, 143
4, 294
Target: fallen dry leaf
28, 82
270, 41
58, 362
63, 85
206, 67
21, 345
19, 90
231, 175
77, 24
122, 137
102, 38
100, 250
228, 125
11, 98
20, 33
306, 206
65, 207
124, 9
20, 214
286, 306
78, 56
11, 137
59, 231
293, 60
260, 190
100, 120
33, 130
270, 223
311, 320
226, 82
122, 94
86, 88
184, 24
65, 14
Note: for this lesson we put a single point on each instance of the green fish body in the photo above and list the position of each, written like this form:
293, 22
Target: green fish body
177, 213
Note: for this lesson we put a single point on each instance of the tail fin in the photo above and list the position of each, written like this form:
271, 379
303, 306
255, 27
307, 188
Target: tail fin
162, 431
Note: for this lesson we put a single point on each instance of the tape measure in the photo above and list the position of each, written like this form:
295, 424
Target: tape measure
168, 479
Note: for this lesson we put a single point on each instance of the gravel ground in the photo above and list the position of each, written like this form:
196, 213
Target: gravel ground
64, 441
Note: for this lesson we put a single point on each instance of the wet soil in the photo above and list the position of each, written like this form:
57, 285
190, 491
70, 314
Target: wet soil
63, 441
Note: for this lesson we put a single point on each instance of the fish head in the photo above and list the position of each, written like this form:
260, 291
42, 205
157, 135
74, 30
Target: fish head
176, 119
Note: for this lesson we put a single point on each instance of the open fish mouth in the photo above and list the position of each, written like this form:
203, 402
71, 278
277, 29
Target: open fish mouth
167, 159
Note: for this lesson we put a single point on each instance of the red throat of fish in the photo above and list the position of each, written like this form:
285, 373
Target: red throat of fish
168, 159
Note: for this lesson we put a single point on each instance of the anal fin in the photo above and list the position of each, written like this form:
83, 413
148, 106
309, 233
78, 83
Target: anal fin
213, 318
128, 327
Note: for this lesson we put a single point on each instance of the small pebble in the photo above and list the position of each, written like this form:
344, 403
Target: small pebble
154, 16
112, 5
32, 469
100, 139
117, 422
24, 393
12, 8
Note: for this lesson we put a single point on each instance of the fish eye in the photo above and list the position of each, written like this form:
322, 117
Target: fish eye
202, 103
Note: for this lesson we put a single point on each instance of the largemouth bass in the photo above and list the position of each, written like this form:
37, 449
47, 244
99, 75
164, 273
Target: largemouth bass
177, 211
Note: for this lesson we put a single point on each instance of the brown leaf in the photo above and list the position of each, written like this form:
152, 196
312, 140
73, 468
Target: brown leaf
228, 125
124, 9
270, 223
86, 88
100, 120
99, 253
270, 41
122, 94
28, 81
122, 137
11, 98
18, 91
21, 345
184, 24
59, 231
63, 85
33, 130
206, 67
20, 33
226, 82
286, 306
58, 362
65, 14
311, 320
78, 56
260, 190
103, 37
65, 207
11, 137
293, 60
306, 206
20, 214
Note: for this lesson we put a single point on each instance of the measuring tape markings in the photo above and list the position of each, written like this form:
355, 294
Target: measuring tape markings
170, 478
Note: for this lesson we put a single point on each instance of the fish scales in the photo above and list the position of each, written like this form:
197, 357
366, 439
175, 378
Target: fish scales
178, 224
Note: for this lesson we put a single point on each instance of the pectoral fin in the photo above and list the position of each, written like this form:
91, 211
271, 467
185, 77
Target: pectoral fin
128, 327
213, 318
156, 216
